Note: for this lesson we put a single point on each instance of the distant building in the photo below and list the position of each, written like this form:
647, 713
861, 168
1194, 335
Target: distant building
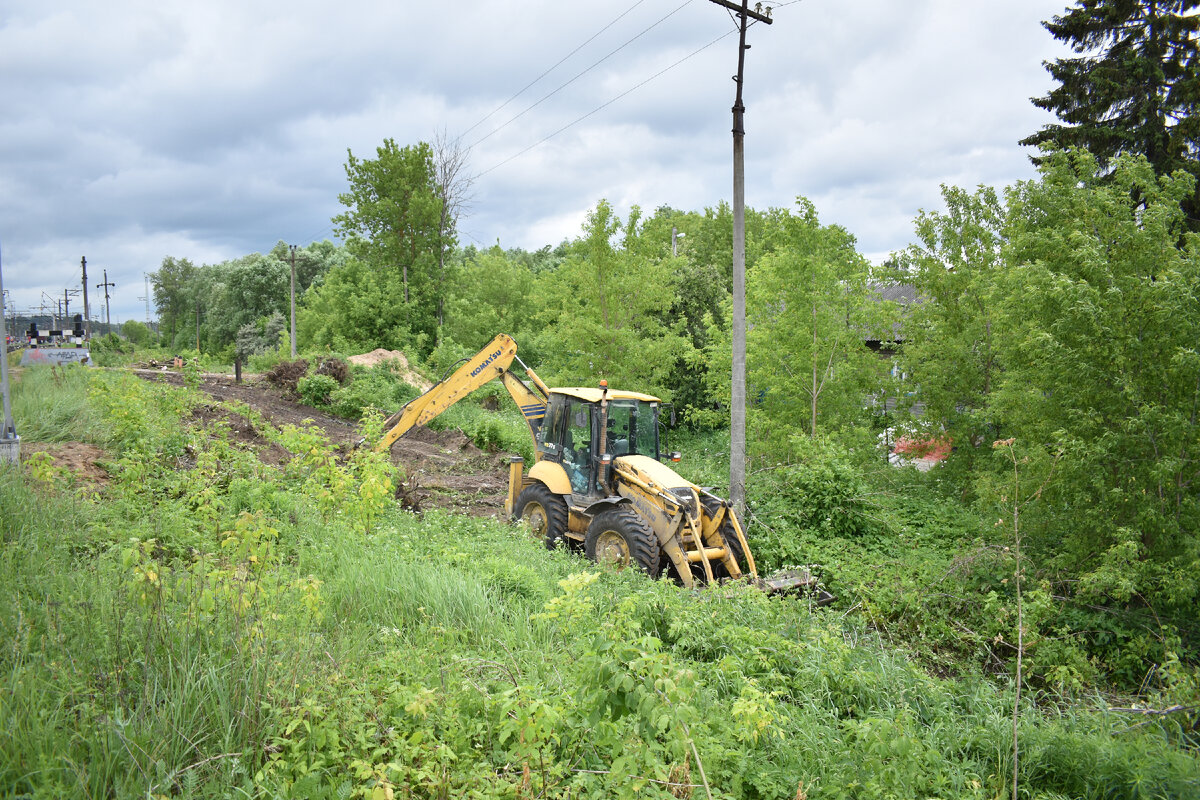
904, 295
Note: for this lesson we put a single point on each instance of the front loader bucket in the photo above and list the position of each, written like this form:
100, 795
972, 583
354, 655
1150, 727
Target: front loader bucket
794, 581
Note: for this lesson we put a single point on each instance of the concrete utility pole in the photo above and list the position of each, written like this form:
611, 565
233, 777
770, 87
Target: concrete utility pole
293, 248
737, 427
147, 298
107, 311
10, 443
87, 321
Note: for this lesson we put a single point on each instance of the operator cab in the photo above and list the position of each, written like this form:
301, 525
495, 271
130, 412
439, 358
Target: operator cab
570, 434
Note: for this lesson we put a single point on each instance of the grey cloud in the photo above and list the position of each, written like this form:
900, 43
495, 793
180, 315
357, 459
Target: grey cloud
138, 129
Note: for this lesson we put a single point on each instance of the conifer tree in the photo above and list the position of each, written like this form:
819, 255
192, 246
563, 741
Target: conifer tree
1132, 89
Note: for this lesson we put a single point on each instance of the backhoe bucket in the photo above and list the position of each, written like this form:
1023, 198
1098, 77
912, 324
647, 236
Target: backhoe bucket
794, 581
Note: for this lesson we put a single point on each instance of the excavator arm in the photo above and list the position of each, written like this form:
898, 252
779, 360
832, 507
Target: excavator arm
488, 364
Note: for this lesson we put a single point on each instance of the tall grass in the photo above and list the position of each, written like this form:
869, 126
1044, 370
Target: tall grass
279, 650
49, 404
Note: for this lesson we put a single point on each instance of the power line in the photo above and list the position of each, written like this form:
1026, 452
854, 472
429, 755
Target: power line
618, 97
547, 96
548, 71
606, 104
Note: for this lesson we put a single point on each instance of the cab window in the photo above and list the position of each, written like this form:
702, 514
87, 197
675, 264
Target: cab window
632, 428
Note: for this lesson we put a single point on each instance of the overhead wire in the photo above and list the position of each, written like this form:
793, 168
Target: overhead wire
579, 75
555, 66
544, 139
605, 104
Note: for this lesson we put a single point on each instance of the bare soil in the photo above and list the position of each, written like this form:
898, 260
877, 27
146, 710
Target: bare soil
444, 469
81, 460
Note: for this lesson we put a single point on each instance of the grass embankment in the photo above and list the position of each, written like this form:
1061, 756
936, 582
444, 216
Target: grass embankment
207, 626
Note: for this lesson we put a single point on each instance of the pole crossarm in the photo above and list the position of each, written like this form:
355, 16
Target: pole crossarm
739, 8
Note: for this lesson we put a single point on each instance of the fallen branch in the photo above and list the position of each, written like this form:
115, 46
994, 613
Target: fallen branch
1154, 712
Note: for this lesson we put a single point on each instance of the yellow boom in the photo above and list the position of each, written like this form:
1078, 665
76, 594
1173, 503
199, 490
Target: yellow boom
488, 364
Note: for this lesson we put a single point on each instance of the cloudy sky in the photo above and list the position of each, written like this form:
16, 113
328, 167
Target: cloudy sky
136, 129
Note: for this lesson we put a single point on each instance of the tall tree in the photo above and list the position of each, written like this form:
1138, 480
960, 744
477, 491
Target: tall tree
1066, 316
603, 313
950, 338
454, 190
244, 290
491, 293
1101, 316
1134, 86
393, 225
809, 311
174, 296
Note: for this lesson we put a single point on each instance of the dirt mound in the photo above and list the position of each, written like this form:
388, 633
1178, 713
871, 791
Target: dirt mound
395, 361
446, 470
77, 458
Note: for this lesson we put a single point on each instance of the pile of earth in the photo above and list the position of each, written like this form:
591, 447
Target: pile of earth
393, 360
78, 461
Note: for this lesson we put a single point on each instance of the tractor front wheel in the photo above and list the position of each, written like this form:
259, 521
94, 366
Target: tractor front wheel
545, 512
728, 535
620, 536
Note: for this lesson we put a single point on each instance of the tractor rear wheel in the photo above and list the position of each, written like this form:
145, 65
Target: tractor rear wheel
545, 512
620, 536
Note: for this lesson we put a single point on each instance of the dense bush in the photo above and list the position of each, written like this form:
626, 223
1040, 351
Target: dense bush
316, 390
109, 350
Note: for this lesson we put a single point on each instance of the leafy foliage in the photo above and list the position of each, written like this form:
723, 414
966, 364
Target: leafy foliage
809, 311
1102, 368
604, 311
393, 226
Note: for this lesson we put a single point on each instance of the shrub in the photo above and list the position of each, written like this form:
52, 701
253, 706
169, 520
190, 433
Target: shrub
138, 333
108, 350
371, 387
822, 492
316, 389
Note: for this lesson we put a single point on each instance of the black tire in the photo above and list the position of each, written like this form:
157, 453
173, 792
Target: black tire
545, 512
619, 535
729, 536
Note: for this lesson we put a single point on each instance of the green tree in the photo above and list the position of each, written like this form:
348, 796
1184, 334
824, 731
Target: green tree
1134, 86
809, 311
173, 284
245, 290
950, 336
353, 309
1101, 319
312, 262
491, 293
393, 226
138, 333
604, 311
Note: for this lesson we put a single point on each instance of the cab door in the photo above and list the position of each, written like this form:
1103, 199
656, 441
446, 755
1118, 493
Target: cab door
566, 438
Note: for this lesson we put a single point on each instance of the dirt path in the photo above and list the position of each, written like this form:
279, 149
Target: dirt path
444, 468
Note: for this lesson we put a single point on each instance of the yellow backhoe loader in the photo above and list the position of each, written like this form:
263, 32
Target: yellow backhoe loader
599, 480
